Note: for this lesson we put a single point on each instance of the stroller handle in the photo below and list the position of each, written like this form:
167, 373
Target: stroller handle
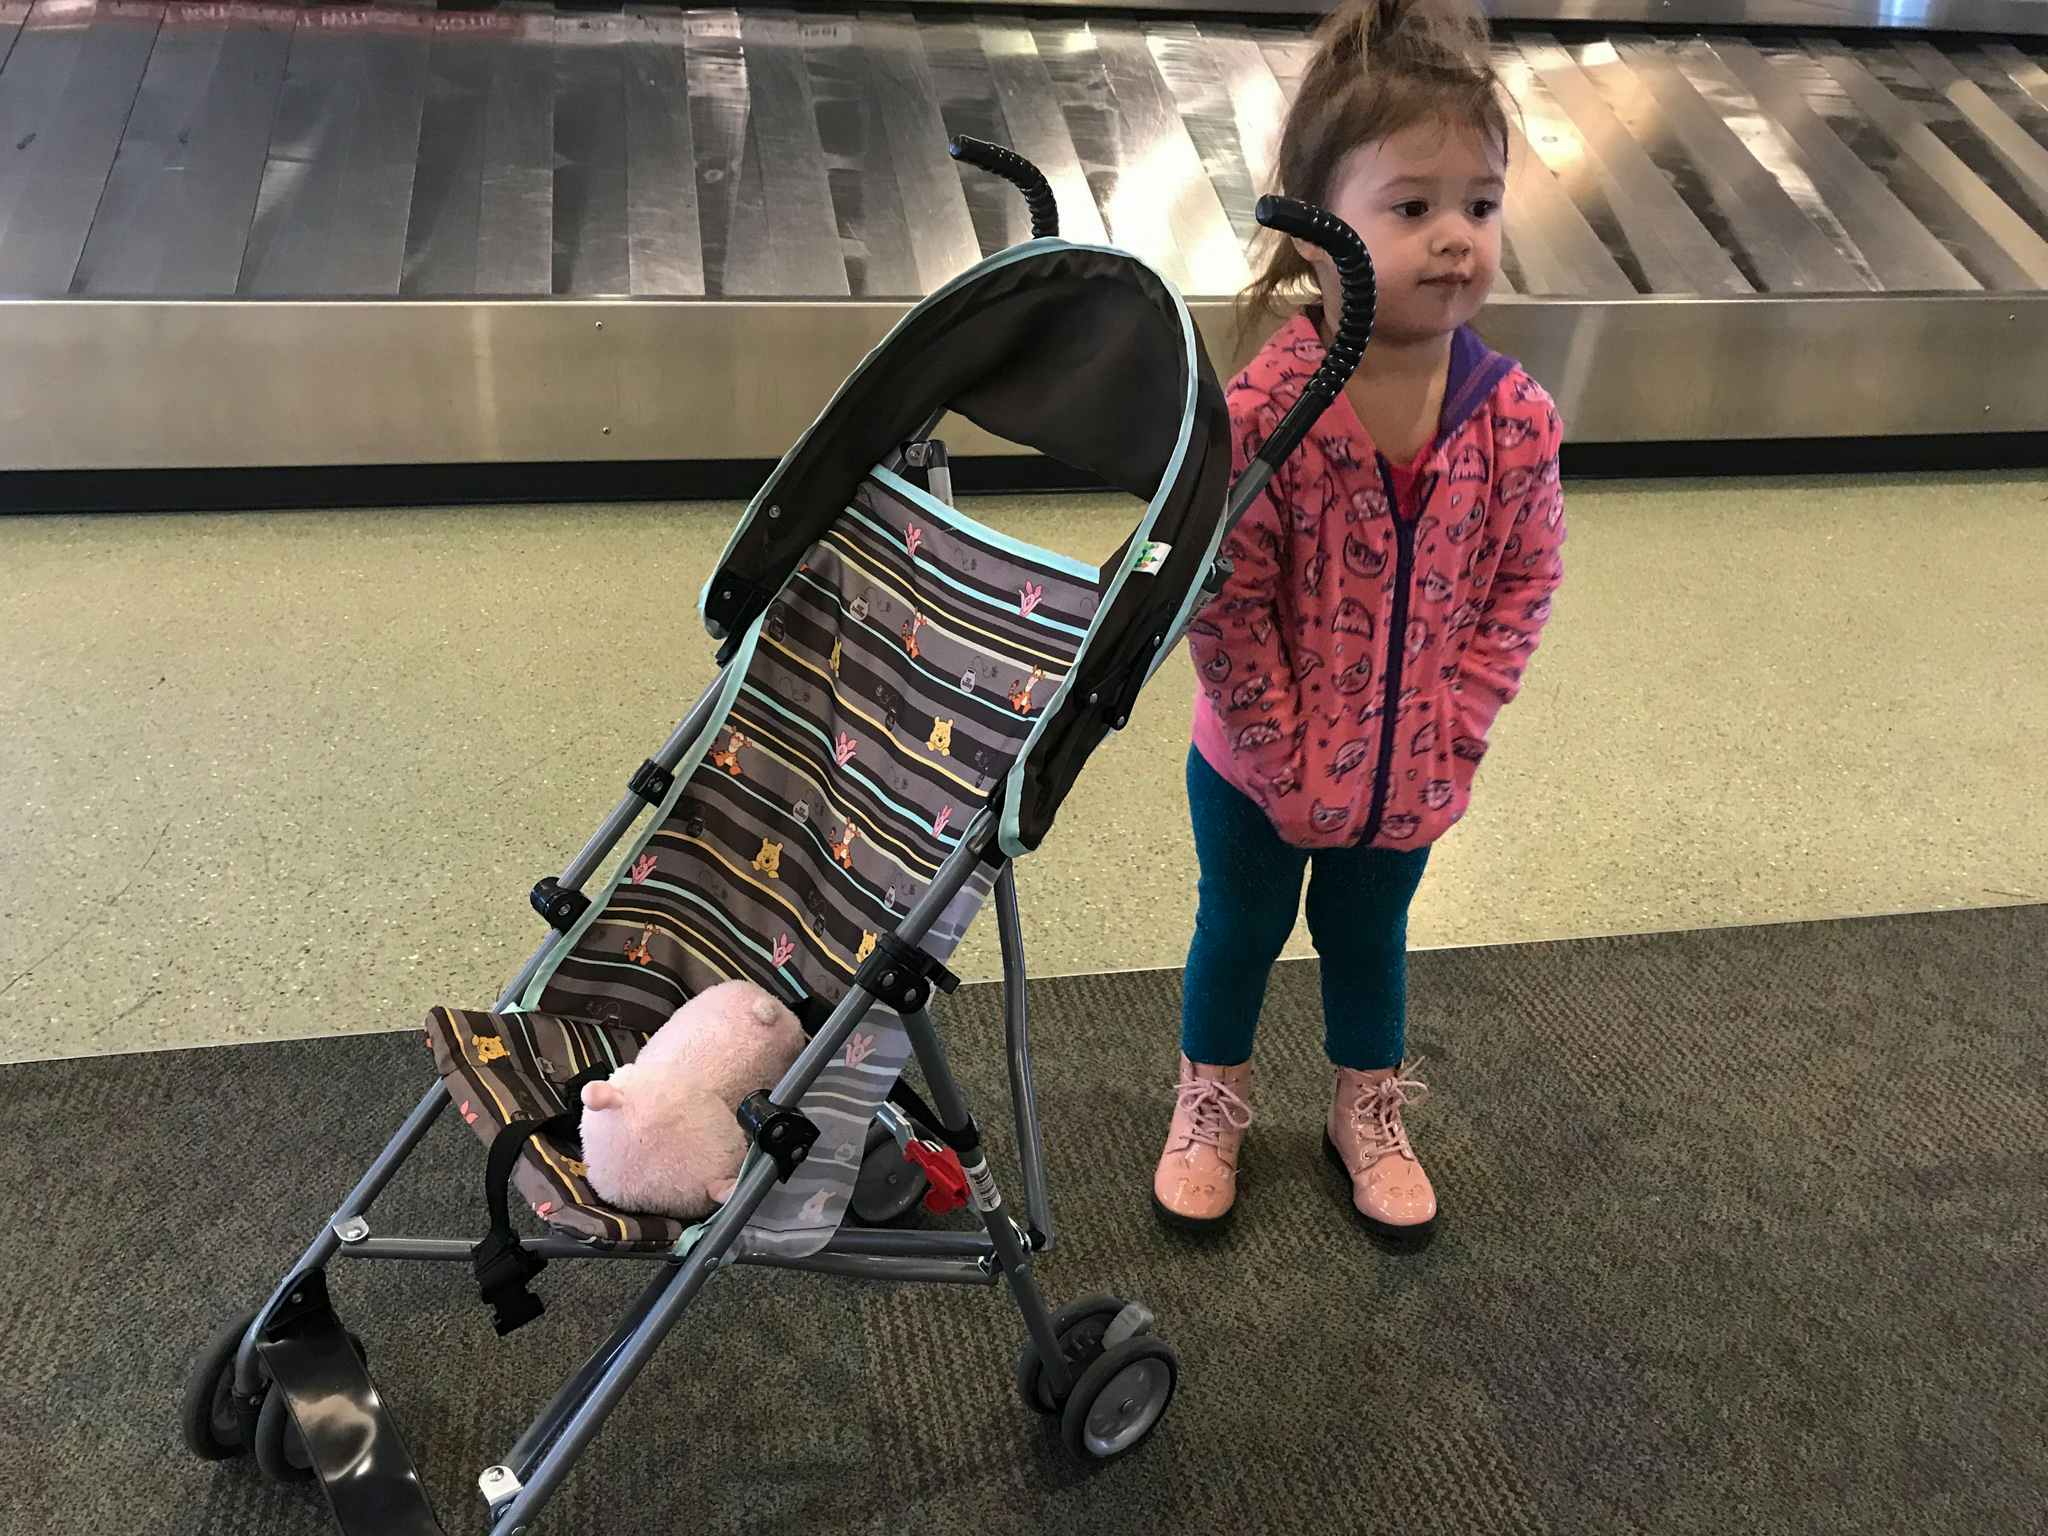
1339, 241
1019, 173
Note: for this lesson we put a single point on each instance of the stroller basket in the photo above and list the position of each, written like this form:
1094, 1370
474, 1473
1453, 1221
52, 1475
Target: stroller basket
905, 698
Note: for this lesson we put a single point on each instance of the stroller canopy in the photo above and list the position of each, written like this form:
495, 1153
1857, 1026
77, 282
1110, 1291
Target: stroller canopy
1083, 353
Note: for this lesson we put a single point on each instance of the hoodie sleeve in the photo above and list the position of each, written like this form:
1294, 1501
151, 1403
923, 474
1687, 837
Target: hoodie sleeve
1530, 516
1239, 641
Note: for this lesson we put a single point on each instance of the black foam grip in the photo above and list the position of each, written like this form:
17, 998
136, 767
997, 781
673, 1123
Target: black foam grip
1339, 241
1019, 173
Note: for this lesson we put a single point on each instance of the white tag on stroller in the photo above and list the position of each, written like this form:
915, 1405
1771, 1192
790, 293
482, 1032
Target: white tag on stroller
1151, 558
986, 1196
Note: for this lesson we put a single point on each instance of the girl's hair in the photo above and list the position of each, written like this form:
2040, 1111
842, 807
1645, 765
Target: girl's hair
1380, 66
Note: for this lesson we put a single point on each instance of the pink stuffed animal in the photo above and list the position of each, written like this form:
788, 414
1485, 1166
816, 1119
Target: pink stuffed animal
661, 1133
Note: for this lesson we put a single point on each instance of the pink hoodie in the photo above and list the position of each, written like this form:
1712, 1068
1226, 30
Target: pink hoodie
1297, 655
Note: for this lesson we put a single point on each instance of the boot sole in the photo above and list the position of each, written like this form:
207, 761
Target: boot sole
1174, 1218
1415, 1235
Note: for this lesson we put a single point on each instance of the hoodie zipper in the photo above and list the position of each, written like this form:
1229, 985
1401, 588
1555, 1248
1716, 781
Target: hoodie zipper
1397, 641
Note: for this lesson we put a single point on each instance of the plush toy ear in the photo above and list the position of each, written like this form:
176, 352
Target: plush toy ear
602, 1095
720, 1190
766, 1011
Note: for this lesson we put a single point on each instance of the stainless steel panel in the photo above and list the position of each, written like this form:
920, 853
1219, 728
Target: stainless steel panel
805, 256
113, 384
74, 153
1883, 234
967, 104
664, 244
590, 156
2025, 70
942, 243
1774, 243
1549, 237
1676, 253
1193, 72
860, 168
1037, 97
1163, 205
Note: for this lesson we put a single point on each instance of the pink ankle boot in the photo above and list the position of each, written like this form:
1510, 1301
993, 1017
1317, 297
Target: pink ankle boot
1368, 1141
1196, 1183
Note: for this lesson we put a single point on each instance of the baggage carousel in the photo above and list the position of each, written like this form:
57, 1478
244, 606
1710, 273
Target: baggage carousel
273, 236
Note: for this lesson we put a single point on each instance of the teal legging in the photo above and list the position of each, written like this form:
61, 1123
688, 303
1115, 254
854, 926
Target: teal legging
1249, 893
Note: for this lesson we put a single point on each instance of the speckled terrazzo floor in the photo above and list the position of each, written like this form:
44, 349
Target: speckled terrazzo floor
276, 775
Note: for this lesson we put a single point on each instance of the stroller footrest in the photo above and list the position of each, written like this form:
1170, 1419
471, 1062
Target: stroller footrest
362, 1462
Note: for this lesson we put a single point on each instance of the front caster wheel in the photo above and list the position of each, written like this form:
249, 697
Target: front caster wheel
1120, 1399
1079, 1326
281, 1453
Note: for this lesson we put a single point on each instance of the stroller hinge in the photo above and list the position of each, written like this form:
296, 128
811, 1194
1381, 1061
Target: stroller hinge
784, 1136
652, 782
561, 908
902, 975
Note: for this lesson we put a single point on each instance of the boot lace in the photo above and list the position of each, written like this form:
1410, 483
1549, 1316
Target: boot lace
1212, 1108
1376, 1114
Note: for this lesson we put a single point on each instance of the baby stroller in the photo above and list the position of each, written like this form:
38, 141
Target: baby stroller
905, 697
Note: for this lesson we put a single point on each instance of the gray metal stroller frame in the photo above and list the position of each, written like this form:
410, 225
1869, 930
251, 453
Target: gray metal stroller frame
290, 1384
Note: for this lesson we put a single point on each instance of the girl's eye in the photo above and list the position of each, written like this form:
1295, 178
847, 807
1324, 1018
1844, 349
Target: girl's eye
1414, 208
1485, 208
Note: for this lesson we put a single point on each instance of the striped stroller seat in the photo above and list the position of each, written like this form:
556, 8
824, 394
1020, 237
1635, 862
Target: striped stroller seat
883, 697
905, 698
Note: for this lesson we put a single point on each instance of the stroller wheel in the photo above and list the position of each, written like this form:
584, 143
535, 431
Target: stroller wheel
280, 1453
1120, 1399
1079, 1326
889, 1190
209, 1420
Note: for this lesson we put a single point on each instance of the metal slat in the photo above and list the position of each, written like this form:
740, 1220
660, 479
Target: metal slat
2026, 71
716, 70
1256, 100
967, 104
1972, 201
1780, 244
2022, 156
590, 157
1164, 195
1676, 252
441, 233
860, 168
375, 200
803, 258
302, 174
32, 89
515, 222
125, 249
1194, 77
664, 244
1898, 249
47, 232
1565, 232
219, 170
934, 204
1038, 129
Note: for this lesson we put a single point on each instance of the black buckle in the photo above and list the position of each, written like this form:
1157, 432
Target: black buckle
503, 1268
652, 782
560, 908
783, 1135
902, 975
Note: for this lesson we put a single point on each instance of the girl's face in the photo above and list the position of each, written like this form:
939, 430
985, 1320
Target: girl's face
1427, 202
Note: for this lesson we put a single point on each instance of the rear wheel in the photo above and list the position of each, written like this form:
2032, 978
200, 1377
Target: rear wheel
1120, 1399
889, 1190
209, 1420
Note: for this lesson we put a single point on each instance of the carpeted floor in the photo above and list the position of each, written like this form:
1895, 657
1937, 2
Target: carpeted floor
1744, 1231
